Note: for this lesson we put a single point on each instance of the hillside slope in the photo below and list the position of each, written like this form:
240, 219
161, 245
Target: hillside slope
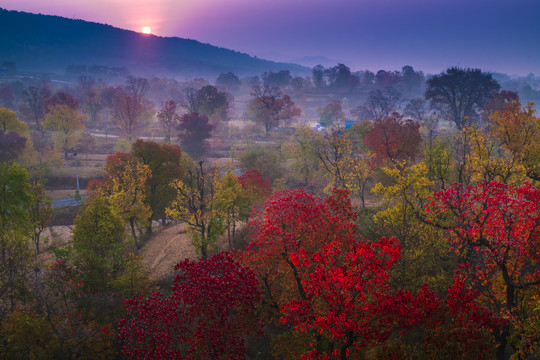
51, 43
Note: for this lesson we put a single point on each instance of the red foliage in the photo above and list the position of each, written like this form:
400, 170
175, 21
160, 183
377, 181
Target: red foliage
342, 290
500, 101
207, 316
394, 139
315, 268
116, 163
62, 98
501, 224
255, 185
457, 327
331, 284
497, 227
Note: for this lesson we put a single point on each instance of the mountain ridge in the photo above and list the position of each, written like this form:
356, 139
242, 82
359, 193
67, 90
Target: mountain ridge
52, 43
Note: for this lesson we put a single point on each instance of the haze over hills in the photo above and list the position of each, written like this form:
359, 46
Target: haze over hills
52, 43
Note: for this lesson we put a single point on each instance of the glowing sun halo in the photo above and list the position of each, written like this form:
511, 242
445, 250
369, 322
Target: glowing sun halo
146, 30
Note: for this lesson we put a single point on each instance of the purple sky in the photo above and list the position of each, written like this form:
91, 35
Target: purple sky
430, 35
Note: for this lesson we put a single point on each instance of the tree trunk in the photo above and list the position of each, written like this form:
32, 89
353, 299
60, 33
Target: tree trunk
132, 226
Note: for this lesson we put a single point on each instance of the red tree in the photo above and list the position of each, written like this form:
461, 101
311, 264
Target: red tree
500, 101
457, 327
270, 107
394, 139
496, 227
322, 277
62, 98
207, 316
255, 185
323, 280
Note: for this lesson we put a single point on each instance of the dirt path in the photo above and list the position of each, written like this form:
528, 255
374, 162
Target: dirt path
165, 249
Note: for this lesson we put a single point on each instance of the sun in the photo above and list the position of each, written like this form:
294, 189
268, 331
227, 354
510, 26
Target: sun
146, 30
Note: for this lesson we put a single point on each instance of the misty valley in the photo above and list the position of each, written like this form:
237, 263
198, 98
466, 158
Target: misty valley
162, 198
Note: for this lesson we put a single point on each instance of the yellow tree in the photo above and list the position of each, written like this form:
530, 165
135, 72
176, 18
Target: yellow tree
39, 157
358, 173
125, 189
487, 161
194, 204
67, 125
518, 131
10, 122
426, 257
230, 202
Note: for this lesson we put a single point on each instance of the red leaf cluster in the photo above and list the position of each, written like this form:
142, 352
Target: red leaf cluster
394, 139
209, 313
500, 223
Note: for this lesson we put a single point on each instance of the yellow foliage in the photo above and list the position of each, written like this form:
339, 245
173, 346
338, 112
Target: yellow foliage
405, 190
67, 124
10, 122
518, 133
488, 161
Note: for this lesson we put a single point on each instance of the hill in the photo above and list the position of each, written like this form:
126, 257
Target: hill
52, 43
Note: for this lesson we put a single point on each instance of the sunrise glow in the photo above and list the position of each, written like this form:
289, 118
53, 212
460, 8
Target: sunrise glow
146, 30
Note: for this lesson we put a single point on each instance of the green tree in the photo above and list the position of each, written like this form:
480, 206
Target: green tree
100, 243
14, 234
331, 114
303, 171
213, 103
164, 162
267, 161
229, 80
40, 212
334, 150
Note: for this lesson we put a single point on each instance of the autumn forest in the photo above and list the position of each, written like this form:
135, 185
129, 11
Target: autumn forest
331, 214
